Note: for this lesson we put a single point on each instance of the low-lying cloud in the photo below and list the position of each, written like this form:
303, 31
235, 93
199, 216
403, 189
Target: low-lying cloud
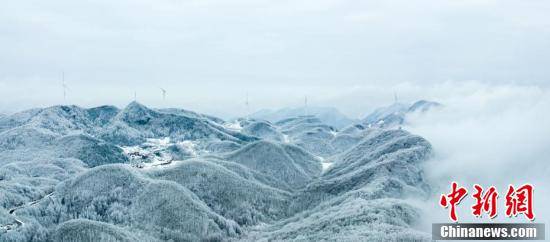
488, 135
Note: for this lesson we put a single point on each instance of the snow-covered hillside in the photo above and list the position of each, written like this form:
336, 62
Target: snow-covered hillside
327, 115
140, 174
396, 113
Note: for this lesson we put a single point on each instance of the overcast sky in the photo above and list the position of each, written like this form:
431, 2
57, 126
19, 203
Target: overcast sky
209, 53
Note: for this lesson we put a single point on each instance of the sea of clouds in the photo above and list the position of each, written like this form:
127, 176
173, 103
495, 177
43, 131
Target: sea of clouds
491, 135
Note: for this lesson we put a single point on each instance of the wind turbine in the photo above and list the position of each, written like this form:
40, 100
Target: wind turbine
395, 97
64, 85
305, 104
247, 104
135, 96
163, 94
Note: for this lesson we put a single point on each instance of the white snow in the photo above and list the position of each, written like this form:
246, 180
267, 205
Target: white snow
324, 163
235, 126
286, 139
160, 142
153, 152
189, 146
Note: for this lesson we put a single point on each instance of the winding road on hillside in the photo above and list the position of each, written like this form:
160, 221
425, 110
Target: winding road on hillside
18, 223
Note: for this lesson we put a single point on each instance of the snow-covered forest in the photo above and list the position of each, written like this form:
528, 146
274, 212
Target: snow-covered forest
141, 174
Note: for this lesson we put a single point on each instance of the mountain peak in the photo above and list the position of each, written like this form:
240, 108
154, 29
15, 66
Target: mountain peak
135, 104
423, 106
137, 113
328, 115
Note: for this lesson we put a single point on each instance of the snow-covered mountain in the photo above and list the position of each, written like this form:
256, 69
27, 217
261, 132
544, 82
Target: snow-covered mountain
287, 163
135, 123
423, 106
261, 128
245, 200
395, 114
141, 174
327, 115
361, 196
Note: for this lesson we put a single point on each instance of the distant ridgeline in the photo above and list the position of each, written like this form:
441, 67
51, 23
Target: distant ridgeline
141, 174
